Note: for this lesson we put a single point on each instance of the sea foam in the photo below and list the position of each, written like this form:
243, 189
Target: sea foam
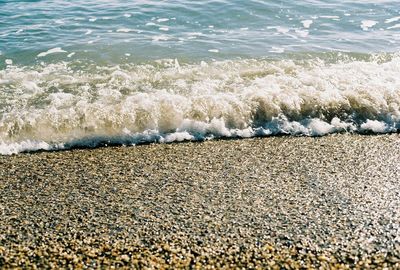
60, 106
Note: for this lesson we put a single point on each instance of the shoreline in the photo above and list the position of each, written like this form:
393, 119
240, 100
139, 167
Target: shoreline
98, 144
283, 201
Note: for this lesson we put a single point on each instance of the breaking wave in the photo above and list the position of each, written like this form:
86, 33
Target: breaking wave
65, 105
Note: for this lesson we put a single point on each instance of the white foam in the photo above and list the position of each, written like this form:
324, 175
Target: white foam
9, 61
366, 24
71, 54
302, 33
277, 50
195, 34
214, 50
396, 26
178, 137
28, 145
51, 51
54, 106
127, 15
163, 20
319, 127
279, 29
307, 23
124, 30
375, 126
391, 20
160, 38
333, 17
163, 28
88, 32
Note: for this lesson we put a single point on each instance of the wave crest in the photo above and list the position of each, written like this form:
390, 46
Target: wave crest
66, 105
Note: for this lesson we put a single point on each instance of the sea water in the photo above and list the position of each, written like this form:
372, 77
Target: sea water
87, 73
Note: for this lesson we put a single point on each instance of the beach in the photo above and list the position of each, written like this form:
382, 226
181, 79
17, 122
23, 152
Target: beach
274, 202
202, 135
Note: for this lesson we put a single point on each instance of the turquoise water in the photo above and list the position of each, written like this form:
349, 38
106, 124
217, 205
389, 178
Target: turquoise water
96, 72
193, 30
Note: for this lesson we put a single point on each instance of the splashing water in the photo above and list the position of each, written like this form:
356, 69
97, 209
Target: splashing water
84, 74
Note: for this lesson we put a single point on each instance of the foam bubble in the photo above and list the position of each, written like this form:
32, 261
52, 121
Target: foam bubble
51, 51
307, 23
28, 145
163, 20
302, 33
124, 30
160, 38
195, 34
374, 126
319, 127
391, 20
277, 50
279, 29
178, 137
366, 24
333, 17
396, 26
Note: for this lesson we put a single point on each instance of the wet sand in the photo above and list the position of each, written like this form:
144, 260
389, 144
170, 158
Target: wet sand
279, 202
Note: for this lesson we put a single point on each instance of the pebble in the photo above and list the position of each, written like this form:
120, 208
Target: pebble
279, 202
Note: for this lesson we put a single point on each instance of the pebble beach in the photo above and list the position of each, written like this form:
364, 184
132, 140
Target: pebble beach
199, 135
266, 203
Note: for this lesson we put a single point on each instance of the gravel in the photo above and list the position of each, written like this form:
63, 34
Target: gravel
278, 202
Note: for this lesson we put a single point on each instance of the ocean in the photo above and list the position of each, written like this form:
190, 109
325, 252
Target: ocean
95, 73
